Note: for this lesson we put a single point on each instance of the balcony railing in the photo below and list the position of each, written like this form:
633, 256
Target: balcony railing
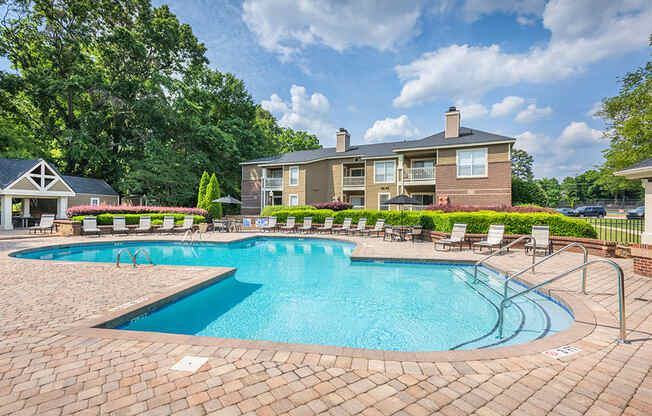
419, 175
353, 181
273, 183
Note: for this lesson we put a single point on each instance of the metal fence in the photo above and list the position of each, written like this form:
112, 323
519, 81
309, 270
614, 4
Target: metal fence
616, 229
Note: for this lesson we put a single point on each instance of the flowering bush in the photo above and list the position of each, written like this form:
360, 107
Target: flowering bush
335, 206
523, 209
127, 209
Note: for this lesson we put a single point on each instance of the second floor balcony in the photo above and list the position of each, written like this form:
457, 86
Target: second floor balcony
419, 176
353, 182
273, 183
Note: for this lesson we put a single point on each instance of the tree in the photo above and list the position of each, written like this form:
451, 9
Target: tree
553, 191
284, 139
527, 192
203, 184
522, 165
212, 193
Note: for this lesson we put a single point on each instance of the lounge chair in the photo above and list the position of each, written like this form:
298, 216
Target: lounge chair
361, 228
457, 237
144, 224
307, 225
327, 227
220, 225
494, 238
188, 222
388, 232
415, 232
345, 227
289, 224
378, 228
119, 225
89, 226
168, 224
271, 224
541, 234
46, 223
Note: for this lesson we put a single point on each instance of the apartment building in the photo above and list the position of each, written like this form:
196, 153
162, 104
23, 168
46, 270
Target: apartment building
459, 166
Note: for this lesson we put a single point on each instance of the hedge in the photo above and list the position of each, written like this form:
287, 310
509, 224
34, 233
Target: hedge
129, 209
477, 222
134, 219
270, 210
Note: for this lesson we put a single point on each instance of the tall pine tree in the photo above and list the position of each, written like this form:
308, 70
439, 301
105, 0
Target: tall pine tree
212, 193
203, 184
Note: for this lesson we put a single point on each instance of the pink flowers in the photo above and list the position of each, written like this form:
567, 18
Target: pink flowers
469, 208
335, 206
128, 209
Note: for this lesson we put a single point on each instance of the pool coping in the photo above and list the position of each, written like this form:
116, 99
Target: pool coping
583, 325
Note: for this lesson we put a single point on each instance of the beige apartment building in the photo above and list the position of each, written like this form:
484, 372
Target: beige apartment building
459, 166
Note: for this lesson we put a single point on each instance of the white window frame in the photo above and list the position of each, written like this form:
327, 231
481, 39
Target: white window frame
389, 196
290, 200
95, 202
376, 162
486, 163
290, 176
434, 162
361, 168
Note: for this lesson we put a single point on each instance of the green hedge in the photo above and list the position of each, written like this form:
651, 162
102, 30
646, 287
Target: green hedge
477, 222
273, 209
134, 219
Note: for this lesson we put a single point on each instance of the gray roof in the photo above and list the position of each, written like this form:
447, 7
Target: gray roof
12, 169
644, 164
89, 185
467, 137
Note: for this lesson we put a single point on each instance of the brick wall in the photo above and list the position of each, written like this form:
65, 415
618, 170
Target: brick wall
250, 194
495, 189
642, 261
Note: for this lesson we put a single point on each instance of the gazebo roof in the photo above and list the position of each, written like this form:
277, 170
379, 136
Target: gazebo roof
641, 170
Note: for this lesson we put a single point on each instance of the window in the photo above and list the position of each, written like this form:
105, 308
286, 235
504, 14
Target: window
294, 175
357, 202
95, 202
424, 199
294, 200
381, 202
472, 163
357, 172
423, 163
384, 171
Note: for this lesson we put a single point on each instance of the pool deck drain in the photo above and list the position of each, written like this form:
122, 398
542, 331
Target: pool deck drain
47, 371
189, 363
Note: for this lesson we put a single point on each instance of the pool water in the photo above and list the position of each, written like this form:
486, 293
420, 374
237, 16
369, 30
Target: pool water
309, 291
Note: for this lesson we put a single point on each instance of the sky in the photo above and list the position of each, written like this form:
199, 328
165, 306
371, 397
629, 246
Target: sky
387, 70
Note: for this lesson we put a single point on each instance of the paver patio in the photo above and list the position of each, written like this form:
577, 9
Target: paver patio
49, 367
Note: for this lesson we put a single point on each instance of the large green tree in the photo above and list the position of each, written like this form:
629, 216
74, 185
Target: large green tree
522, 165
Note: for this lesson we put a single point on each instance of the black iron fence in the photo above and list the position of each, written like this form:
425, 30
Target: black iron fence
618, 229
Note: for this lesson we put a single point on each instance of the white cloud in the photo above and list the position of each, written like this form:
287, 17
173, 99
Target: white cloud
582, 32
286, 26
471, 111
507, 106
597, 106
577, 147
532, 113
474, 9
303, 112
399, 127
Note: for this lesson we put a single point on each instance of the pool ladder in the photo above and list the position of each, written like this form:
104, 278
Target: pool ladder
134, 256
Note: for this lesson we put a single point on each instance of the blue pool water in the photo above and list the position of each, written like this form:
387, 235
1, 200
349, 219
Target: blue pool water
309, 291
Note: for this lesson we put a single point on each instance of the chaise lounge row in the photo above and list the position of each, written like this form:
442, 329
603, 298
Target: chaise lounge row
89, 225
541, 234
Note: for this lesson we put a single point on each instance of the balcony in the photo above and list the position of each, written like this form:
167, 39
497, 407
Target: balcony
419, 176
353, 182
273, 183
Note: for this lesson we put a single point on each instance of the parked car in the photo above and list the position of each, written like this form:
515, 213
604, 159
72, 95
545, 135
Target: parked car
636, 214
569, 212
591, 211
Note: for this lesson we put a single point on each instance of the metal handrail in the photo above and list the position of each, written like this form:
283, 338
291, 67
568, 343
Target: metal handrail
586, 259
145, 253
133, 259
621, 294
482, 260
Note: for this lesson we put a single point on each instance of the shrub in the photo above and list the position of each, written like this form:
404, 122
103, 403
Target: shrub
212, 193
272, 209
335, 206
318, 215
525, 208
133, 219
126, 209
201, 194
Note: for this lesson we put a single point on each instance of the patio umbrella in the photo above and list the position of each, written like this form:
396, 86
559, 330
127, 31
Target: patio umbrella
402, 200
227, 200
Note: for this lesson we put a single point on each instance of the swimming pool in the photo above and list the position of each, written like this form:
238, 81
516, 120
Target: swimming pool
309, 291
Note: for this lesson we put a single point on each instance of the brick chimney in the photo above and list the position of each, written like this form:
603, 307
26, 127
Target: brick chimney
452, 128
343, 140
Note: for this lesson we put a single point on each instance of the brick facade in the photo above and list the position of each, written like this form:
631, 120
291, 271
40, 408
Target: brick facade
495, 189
642, 261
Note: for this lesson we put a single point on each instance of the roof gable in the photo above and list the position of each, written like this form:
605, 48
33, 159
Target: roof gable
12, 169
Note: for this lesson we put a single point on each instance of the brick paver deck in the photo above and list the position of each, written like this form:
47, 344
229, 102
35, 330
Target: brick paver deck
50, 367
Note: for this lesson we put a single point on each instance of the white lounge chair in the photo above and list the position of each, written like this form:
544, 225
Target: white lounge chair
388, 232
378, 228
89, 226
345, 227
456, 238
168, 224
307, 225
289, 224
144, 224
327, 227
188, 222
119, 225
46, 223
271, 224
494, 238
541, 234
362, 226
